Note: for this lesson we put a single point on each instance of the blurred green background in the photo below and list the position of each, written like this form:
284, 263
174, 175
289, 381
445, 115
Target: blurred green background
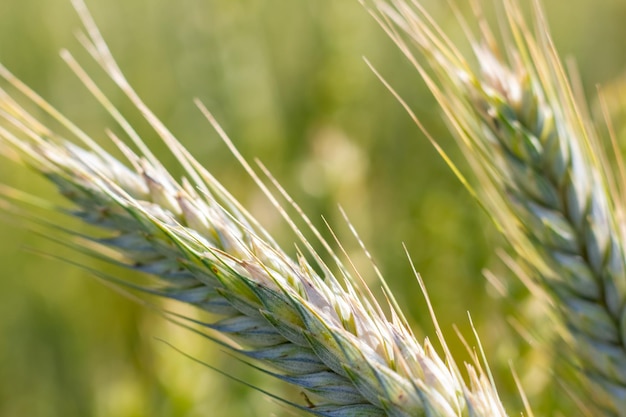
287, 81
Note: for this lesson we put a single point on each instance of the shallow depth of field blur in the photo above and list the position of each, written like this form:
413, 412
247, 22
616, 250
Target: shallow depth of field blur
287, 81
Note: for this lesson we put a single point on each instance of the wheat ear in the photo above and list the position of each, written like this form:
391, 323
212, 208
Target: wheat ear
323, 334
541, 176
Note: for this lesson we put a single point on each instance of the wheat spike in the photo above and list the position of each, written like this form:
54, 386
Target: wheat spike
323, 334
541, 175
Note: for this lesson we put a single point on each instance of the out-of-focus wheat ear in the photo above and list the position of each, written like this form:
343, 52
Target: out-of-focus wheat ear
539, 172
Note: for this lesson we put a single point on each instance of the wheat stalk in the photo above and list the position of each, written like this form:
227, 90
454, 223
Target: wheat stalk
326, 335
542, 175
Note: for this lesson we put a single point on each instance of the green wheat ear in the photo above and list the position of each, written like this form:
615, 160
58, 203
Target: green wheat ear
541, 176
324, 334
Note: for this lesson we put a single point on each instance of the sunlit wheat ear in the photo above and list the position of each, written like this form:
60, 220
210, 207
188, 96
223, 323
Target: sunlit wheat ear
324, 334
541, 175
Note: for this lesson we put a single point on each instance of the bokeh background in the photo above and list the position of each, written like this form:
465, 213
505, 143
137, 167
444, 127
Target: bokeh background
287, 81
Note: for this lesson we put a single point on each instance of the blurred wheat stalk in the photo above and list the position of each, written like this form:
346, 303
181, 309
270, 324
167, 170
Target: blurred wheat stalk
541, 174
324, 334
